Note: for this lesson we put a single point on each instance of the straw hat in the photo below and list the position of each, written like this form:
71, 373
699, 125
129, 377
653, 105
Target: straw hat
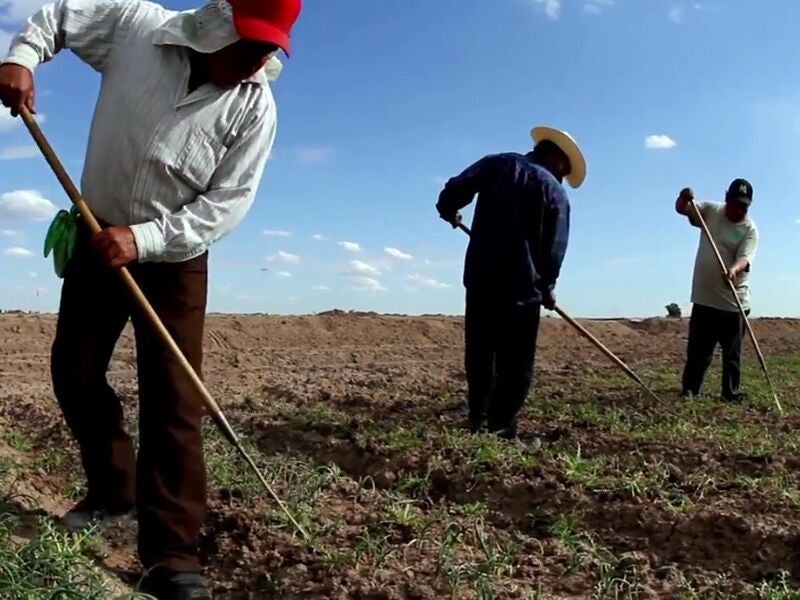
569, 147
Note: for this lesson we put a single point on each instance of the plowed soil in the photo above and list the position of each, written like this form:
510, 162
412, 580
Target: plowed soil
358, 422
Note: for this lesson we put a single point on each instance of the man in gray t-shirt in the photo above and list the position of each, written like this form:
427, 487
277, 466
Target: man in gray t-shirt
715, 314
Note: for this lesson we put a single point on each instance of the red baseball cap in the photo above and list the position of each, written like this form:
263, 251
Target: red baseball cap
268, 21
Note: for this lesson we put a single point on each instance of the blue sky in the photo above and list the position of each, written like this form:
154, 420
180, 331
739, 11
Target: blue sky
382, 101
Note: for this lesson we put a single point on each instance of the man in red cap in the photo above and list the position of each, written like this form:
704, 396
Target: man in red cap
183, 126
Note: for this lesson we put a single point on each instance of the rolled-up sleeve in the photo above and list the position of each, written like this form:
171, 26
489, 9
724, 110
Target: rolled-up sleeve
213, 214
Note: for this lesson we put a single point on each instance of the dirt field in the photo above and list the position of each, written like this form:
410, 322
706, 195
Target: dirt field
358, 421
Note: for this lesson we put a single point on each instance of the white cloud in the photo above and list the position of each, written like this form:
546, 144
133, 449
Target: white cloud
284, 257
277, 233
315, 155
359, 267
319, 237
26, 204
7, 122
416, 281
10, 233
398, 254
321, 288
350, 246
552, 8
676, 14
19, 152
283, 274
659, 142
797, 221
17, 252
33, 274
594, 7
368, 284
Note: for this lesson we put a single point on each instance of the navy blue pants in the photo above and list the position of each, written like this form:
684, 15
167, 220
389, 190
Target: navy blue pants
499, 358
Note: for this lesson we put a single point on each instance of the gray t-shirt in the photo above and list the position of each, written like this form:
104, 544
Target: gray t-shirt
734, 241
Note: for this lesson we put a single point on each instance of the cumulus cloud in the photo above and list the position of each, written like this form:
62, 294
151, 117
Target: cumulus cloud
678, 13
552, 8
277, 233
17, 252
19, 152
7, 122
26, 204
283, 274
417, 281
10, 233
284, 257
659, 142
321, 288
350, 246
319, 237
358, 267
367, 284
398, 254
314, 155
595, 7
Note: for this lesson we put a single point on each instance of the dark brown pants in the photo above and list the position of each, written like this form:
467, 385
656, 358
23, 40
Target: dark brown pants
168, 483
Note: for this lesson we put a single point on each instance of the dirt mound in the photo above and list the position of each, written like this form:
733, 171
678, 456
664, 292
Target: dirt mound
659, 326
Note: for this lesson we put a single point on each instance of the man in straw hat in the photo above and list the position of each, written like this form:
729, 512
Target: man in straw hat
183, 126
519, 238
715, 315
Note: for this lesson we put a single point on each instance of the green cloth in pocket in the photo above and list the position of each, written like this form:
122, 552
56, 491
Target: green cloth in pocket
61, 238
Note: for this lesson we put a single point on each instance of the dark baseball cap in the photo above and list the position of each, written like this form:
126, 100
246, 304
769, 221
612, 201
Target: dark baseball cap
740, 190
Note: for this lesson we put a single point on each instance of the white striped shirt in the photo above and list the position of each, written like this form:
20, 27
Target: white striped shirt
181, 169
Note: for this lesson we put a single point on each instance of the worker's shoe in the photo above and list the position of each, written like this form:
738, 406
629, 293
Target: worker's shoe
735, 398
164, 585
507, 432
88, 512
